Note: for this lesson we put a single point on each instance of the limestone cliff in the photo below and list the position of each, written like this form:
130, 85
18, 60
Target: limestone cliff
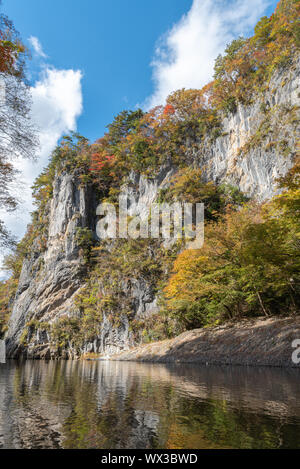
258, 143
49, 281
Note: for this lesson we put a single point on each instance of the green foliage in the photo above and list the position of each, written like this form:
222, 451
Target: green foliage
85, 240
64, 331
188, 186
231, 195
124, 123
221, 69
8, 289
30, 329
71, 154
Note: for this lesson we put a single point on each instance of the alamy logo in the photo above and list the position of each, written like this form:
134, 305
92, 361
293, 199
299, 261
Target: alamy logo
167, 221
2, 351
296, 353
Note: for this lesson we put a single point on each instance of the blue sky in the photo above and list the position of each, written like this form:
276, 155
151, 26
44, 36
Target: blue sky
111, 41
93, 59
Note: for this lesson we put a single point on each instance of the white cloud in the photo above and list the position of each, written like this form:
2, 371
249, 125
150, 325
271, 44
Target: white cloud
34, 41
185, 56
57, 103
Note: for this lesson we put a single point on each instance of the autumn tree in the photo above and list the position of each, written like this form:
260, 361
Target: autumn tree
249, 264
122, 125
247, 64
17, 136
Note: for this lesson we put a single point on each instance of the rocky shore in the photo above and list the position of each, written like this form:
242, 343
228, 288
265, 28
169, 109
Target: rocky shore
260, 342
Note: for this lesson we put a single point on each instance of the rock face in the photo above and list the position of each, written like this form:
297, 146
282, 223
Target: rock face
258, 144
271, 133
49, 281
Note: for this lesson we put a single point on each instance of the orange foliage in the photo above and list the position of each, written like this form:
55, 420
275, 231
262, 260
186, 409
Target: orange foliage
169, 110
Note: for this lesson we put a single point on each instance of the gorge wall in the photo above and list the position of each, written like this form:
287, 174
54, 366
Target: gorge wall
258, 144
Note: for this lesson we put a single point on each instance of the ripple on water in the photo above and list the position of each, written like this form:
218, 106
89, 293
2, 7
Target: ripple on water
74, 404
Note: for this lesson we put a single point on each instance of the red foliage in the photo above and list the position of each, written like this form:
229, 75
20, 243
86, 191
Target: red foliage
11, 48
169, 110
6, 54
100, 161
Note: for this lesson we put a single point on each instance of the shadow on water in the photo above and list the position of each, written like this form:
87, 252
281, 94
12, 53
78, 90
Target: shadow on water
133, 405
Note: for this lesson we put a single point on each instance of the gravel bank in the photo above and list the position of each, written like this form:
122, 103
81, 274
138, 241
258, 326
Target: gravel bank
259, 342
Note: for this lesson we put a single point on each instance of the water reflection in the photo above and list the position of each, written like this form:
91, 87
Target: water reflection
130, 405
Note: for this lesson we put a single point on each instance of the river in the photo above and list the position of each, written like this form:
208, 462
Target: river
111, 405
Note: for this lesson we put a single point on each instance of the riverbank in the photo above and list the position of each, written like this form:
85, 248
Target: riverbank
259, 342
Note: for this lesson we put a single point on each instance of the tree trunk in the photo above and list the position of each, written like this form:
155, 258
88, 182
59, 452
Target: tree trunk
262, 305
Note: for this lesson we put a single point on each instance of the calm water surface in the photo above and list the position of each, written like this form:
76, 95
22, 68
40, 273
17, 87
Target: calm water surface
130, 405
